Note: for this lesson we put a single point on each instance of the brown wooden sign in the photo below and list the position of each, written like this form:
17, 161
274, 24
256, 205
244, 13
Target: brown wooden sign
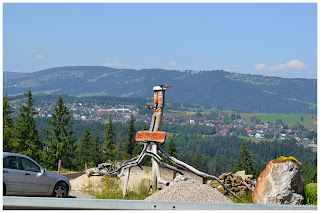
151, 136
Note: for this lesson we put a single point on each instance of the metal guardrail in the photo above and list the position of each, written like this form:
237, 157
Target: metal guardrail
19, 203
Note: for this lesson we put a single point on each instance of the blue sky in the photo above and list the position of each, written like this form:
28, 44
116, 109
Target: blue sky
267, 39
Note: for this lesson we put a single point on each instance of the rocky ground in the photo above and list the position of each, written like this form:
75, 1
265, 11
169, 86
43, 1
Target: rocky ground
189, 191
193, 191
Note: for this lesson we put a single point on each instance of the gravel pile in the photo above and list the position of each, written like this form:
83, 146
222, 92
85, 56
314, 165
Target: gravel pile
186, 191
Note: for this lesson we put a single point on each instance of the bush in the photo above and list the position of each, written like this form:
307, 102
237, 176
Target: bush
310, 194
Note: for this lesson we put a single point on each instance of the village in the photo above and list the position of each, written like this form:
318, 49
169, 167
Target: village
222, 126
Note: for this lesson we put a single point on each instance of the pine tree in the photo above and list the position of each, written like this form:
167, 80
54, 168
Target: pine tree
85, 149
7, 125
109, 145
130, 143
171, 148
144, 127
60, 144
27, 139
245, 161
96, 150
197, 160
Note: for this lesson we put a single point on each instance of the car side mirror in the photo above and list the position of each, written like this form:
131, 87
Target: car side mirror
43, 170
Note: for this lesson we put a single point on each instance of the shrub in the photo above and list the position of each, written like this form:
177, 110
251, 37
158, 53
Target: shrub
310, 194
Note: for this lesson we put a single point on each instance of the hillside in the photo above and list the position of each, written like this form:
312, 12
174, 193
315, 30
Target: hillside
7, 74
244, 93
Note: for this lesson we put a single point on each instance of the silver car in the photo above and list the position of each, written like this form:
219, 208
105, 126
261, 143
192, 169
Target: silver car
24, 176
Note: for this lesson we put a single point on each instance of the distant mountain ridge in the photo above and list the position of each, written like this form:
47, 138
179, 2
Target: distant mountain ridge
245, 93
8, 74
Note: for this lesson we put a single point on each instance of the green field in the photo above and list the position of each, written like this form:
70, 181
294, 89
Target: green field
309, 121
284, 117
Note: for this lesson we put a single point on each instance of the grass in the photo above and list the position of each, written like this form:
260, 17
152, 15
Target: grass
110, 189
309, 121
310, 194
265, 117
245, 198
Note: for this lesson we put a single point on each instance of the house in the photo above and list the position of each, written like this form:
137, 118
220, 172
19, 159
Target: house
259, 135
283, 136
224, 132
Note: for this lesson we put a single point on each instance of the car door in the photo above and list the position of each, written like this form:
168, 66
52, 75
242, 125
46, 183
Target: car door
35, 182
12, 176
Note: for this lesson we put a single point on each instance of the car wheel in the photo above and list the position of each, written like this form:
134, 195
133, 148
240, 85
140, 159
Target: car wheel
4, 189
60, 190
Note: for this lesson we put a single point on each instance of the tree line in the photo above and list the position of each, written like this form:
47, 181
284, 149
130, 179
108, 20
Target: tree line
60, 141
79, 142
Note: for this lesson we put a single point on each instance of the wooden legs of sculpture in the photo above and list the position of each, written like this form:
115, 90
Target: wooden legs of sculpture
191, 169
152, 149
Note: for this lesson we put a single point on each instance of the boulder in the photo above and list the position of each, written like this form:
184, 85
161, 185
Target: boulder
182, 178
280, 182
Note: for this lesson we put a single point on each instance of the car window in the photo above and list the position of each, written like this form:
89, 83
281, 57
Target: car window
29, 165
10, 162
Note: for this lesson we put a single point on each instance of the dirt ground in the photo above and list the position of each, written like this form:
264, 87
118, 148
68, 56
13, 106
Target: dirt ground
136, 179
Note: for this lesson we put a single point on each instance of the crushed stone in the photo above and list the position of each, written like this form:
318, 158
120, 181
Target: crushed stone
186, 191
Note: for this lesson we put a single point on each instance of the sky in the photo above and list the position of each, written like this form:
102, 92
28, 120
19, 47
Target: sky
268, 39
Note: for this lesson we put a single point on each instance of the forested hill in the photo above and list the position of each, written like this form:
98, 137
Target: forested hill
243, 93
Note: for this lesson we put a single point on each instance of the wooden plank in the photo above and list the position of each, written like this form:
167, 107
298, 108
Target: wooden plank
159, 137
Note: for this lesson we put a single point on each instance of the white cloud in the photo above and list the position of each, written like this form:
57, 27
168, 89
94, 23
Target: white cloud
260, 66
110, 64
235, 66
172, 63
40, 57
293, 64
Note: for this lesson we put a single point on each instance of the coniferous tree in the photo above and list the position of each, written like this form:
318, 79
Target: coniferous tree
130, 143
197, 160
27, 139
60, 144
7, 125
109, 145
245, 161
171, 148
144, 127
85, 149
96, 150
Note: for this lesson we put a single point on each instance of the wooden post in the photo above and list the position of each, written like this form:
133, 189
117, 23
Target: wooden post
174, 175
126, 183
59, 167
154, 176
85, 168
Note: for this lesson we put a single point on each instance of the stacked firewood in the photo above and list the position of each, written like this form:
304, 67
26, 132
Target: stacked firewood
238, 182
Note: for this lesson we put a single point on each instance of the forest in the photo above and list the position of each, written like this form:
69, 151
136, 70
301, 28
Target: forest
77, 142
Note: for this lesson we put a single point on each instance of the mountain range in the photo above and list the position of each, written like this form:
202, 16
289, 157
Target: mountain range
232, 91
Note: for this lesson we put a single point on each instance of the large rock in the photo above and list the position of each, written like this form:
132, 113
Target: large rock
280, 182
